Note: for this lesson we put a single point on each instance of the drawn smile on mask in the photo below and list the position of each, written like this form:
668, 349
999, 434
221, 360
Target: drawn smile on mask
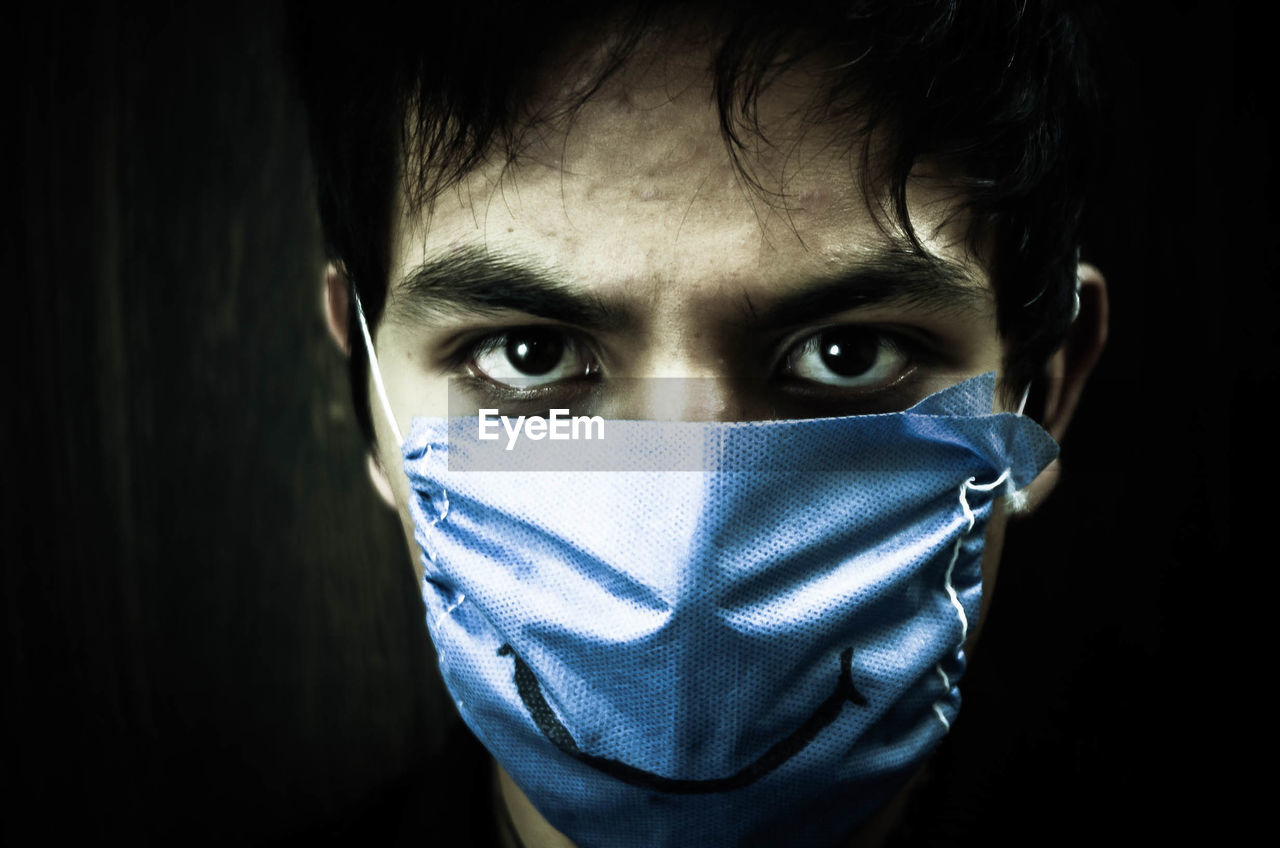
542, 715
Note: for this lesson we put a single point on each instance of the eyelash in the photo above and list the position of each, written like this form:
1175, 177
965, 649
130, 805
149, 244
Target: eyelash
466, 351
912, 350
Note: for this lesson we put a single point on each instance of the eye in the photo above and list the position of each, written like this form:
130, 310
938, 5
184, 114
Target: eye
529, 357
852, 357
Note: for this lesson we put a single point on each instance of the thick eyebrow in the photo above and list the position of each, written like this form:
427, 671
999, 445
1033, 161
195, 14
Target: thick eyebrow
472, 281
891, 278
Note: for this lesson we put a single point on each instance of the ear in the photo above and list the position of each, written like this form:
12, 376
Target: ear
337, 306
1070, 367
1066, 374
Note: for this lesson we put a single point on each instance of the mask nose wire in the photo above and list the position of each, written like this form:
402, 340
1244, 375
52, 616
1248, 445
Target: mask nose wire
377, 372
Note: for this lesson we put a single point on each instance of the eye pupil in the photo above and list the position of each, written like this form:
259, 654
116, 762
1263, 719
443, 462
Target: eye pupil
535, 352
849, 352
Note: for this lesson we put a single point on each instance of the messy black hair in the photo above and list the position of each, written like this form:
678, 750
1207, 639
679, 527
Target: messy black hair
1000, 92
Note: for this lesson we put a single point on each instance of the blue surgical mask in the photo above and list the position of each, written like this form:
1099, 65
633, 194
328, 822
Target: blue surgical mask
760, 652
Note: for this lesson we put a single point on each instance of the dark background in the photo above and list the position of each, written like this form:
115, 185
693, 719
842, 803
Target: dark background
211, 627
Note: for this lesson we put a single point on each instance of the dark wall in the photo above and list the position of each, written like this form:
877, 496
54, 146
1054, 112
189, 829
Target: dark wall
210, 624
209, 619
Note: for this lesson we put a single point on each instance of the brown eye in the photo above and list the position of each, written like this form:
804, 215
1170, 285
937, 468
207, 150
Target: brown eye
848, 357
848, 351
528, 357
534, 352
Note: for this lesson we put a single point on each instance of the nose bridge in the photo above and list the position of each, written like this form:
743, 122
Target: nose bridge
672, 394
686, 368
684, 375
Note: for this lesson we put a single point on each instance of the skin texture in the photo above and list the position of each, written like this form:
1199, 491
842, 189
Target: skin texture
636, 202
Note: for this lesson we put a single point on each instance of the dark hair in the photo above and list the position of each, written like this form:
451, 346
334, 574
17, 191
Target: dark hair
1000, 91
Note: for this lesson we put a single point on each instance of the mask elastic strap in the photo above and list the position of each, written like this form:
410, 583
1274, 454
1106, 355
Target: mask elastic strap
1015, 498
1022, 404
1075, 305
1075, 313
377, 372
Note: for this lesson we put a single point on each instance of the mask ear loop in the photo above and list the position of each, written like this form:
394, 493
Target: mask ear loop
377, 372
1075, 313
395, 428
1015, 499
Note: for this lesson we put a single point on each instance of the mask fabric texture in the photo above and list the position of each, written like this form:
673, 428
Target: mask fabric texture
756, 654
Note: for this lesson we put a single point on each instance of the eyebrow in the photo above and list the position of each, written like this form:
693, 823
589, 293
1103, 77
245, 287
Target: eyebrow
889, 278
473, 281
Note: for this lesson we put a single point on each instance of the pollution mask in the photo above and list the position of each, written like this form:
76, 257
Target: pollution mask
711, 633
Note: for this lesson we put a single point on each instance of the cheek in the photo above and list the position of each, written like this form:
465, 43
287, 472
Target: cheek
400, 484
392, 487
993, 547
415, 553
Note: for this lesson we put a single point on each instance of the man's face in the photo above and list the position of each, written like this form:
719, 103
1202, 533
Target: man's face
625, 245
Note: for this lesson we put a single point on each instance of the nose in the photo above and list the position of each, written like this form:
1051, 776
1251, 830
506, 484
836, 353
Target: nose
668, 396
673, 387
686, 368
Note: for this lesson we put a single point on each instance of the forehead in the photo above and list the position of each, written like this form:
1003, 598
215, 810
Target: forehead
637, 191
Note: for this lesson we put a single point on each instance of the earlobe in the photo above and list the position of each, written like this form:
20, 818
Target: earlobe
1065, 376
337, 304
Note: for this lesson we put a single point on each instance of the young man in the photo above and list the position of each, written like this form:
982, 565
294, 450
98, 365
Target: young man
832, 217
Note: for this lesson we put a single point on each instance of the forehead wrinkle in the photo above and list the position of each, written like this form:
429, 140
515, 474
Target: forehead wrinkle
600, 163
593, 178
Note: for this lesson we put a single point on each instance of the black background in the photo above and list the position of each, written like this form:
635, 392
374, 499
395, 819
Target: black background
211, 631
